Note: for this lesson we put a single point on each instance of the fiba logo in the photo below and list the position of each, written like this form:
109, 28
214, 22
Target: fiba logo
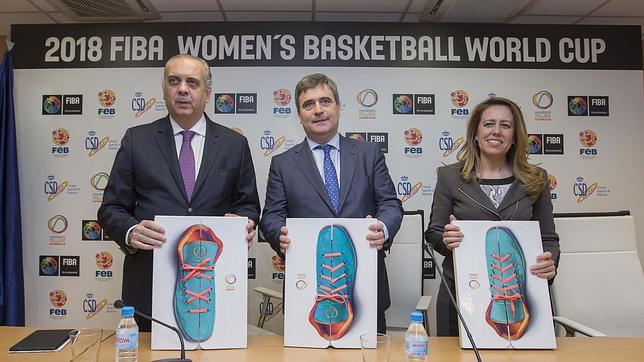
269, 144
403, 104
281, 98
57, 224
535, 143
542, 99
367, 98
577, 106
224, 103
51, 104
99, 181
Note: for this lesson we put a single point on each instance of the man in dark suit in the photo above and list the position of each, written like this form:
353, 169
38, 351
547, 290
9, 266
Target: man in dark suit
303, 181
182, 164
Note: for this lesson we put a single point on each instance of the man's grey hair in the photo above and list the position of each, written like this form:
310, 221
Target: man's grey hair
207, 81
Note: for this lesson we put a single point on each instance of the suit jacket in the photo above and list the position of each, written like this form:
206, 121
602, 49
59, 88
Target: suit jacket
296, 189
145, 181
466, 201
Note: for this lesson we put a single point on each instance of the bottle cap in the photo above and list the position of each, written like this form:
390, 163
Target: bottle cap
127, 311
416, 316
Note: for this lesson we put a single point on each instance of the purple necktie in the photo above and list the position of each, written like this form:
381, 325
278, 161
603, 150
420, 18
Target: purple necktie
187, 162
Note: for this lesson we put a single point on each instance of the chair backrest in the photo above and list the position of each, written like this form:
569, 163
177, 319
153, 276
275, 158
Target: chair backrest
405, 269
600, 282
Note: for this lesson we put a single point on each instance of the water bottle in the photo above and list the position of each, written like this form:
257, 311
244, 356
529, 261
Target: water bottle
127, 337
416, 341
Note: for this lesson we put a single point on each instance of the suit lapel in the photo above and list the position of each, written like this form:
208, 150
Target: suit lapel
473, 190
514, 194
304, 160
210, 153
347, 167
165, 141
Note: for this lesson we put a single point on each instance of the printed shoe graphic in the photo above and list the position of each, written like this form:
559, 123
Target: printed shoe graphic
194, 296
507, 312
332, 313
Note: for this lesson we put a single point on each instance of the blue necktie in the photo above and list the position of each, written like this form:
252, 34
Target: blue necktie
331, 179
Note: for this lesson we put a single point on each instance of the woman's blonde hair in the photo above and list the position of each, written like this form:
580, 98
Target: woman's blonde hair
529, 175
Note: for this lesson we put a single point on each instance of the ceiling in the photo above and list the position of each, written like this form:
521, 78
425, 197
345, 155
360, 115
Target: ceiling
623, 12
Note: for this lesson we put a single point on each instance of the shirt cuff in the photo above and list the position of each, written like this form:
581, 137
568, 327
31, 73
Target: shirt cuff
127, 235
384, 229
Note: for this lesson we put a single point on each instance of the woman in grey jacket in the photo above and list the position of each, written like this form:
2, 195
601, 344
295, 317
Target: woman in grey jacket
492, 181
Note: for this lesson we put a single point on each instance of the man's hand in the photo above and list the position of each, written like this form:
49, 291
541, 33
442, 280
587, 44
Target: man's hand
284, 240
376, 237
147, 235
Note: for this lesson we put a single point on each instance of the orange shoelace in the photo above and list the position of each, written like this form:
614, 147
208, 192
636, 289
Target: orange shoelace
197, 271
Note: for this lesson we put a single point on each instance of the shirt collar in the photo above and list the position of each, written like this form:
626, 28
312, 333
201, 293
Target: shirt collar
335, 142
198, 128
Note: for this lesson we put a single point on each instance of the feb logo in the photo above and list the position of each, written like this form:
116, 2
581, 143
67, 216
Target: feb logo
106, 98
459, 99
406, 190
94, 144
52, 188
57, 224
552, 185
448, 145
413, 137
57, 299
269, 144
99, 181
60, 138
278, 267
140, 105
582, 190
588, 139
281, 98
104, 261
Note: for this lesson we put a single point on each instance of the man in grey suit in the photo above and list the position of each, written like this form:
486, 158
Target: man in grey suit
181, 164
303, 181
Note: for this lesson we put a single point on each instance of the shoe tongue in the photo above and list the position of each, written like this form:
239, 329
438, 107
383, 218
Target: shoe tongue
329, 311
196, 251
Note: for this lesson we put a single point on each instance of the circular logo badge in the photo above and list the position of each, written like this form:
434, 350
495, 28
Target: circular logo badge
413, 136
281, 97
106, 98
225, 103
459, 98
51, 105
367, 98
552, 182
49, 266
542, 99
534, 142
230, 279
92, 230
99, 181
577, 106
403, 104
300, 284
588, 138
104, 260
60, 136
58, 298
57, 224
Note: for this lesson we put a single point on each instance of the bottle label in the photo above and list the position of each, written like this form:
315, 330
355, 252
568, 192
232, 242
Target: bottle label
127, 340
416, 348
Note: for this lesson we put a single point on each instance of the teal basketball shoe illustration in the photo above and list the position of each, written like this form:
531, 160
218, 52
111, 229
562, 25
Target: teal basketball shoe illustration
332, 313
507, 312
194, 298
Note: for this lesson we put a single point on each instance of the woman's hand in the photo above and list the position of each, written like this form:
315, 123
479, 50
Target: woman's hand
452, 235
545, 266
